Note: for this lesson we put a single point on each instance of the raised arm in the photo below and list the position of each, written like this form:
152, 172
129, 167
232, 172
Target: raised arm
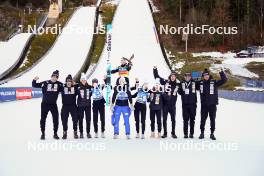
35, 84
156, 75
223, 79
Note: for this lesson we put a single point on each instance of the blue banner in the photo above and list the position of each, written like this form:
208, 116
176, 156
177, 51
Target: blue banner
19, 93
7, 94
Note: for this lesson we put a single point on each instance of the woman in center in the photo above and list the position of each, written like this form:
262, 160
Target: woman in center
121, 104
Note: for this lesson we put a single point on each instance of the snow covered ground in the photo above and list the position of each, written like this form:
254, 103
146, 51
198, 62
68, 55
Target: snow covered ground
11, 50
239, 149
69, 52
235, 65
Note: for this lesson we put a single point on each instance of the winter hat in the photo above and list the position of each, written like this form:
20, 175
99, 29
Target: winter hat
173, 73
69, 78
95, 80
83, 77
55, 73
206, 72
187, 74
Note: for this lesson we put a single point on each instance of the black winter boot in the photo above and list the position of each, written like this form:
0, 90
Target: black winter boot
64, 135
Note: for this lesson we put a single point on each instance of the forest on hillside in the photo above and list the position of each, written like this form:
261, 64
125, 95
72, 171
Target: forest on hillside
246, 15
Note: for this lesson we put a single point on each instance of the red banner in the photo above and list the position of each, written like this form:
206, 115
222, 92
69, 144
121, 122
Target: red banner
22, 94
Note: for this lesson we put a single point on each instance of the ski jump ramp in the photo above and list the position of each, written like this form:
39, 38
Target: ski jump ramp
69, 51
11, 51
239, 126
133, 33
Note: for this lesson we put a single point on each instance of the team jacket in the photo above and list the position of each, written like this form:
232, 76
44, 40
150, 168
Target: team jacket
142, 96
123, 70
50, 90
187, 90
97, 95
209, 89
157, 100
84, 95
174, 86
69, 94
122, 97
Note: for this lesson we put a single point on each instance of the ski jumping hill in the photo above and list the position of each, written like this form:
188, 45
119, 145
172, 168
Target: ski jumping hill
68, 53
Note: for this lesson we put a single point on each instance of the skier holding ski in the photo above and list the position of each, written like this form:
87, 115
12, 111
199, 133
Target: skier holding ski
187, 91
209, 99
84, 105
69, 106
156, 99
169, 106
123, 69
50, 91
121, 104
142, 97
98, 107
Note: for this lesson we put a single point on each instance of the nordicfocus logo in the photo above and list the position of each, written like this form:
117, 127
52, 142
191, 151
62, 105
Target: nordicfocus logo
57, 29
198, 146
198, 30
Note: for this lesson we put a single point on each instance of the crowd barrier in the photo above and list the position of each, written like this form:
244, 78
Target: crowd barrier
247, 96
19, 93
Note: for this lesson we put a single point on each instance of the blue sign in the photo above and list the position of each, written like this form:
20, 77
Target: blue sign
7, 94
196, 74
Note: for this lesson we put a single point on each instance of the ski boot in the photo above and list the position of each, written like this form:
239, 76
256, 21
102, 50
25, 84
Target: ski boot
89, 136
137, 136
142, 136
55, 136
81, 135
128, 136
75, 135
212, 136
201, 136
42, 137
64, 136
174, 136
102, 135
152, 135
164, 136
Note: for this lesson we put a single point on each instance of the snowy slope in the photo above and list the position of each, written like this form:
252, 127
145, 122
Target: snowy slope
11, 50
238, 123
133, 33
69, 51
235, 65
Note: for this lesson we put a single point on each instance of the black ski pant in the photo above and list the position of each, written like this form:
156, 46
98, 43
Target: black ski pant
205, 111
53, 108
172, 111
99, 109
87, 111
67, 110
153, 114
188, 114
140, 116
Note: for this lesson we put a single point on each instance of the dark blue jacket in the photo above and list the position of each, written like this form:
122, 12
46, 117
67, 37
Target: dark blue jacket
209, 89
69, 94
187, 91
50, 90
